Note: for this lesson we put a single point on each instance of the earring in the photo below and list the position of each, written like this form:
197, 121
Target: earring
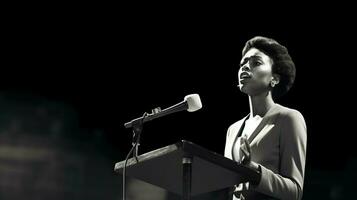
272, 83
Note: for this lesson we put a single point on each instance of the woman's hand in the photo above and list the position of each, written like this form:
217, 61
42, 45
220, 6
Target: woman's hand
246, 158
245, 150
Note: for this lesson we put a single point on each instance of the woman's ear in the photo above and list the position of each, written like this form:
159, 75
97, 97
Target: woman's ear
275, 79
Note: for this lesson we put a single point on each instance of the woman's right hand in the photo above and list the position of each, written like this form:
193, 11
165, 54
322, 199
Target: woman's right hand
246, 159
245, 150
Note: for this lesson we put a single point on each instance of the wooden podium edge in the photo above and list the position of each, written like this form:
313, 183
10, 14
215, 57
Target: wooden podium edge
190, 150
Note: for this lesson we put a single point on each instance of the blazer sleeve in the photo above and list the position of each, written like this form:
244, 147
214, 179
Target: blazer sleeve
288, 183
227, 147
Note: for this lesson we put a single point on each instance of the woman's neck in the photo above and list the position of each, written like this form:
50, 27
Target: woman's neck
260, 104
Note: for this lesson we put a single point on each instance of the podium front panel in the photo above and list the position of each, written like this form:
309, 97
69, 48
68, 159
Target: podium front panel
163, 168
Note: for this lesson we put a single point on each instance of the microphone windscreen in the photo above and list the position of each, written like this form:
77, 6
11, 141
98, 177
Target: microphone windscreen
193, 102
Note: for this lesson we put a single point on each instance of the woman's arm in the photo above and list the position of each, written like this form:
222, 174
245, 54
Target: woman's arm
288, 184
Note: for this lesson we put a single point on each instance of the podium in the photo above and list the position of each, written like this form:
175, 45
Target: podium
186, 169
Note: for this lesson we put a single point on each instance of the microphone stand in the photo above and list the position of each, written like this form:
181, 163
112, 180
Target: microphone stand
137, 129
137, 126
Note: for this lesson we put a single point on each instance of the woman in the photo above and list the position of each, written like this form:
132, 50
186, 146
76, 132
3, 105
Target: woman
272, 138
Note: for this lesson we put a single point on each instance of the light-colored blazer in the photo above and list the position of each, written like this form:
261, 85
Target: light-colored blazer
278, 145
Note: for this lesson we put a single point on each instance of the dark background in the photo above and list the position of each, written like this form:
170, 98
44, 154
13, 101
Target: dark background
71, 78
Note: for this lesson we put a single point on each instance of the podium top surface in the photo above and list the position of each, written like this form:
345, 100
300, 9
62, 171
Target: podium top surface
163, 167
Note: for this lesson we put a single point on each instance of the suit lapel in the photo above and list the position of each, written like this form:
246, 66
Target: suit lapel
266, 119
236, 131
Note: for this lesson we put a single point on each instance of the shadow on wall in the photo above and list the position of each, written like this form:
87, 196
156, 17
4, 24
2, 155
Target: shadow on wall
45, 155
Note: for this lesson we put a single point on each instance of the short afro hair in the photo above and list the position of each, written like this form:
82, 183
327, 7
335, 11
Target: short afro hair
283, 65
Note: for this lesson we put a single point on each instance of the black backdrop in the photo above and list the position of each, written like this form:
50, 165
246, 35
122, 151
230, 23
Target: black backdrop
112, 67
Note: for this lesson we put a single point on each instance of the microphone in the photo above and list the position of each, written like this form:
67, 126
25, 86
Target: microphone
191, 103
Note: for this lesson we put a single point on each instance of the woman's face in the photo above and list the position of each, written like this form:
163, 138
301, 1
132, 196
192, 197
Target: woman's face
255, 72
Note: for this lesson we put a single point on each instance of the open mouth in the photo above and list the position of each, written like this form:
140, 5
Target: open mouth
245, 75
